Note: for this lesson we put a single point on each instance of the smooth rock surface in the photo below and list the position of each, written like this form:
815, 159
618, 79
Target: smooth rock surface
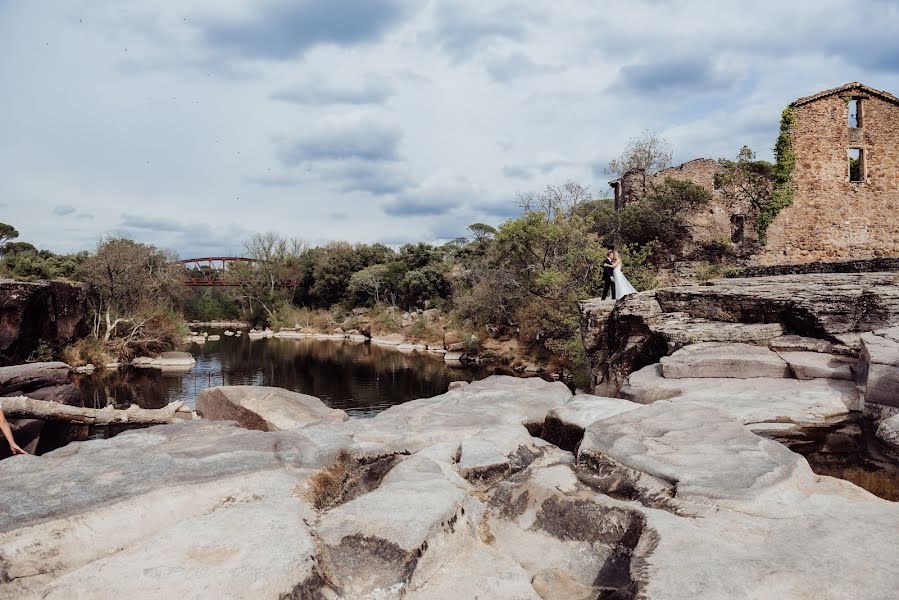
752, 401
712, 359
664, 502
265, 408
816, 365
565, 425
888, 431
877, 369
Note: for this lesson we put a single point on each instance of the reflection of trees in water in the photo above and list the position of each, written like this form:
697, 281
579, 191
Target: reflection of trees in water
343, 374
145, 387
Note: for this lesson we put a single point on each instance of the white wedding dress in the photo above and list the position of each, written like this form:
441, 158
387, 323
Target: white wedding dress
623, 287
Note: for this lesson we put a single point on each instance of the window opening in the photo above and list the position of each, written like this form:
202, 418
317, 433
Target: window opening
855, 113
856, 165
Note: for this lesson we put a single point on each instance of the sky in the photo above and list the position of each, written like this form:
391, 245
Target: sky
193, 124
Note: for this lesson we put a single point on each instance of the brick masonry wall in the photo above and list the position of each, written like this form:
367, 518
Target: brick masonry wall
875, 265
832, 218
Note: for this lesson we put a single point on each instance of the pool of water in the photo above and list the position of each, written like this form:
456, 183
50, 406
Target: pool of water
849, 450
362, 379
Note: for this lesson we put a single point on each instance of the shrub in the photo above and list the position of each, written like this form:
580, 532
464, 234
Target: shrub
717, 248
86, 351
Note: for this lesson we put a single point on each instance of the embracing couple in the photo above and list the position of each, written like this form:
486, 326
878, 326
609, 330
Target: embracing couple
613, 279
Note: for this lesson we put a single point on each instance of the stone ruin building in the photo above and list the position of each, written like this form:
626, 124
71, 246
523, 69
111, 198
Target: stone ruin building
845, 184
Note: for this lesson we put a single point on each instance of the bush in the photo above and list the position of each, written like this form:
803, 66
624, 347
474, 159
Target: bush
385, 319
86, 351
287, 316
717, 249
423, 330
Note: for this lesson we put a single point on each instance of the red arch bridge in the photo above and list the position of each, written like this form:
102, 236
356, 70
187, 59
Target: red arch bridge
210, 271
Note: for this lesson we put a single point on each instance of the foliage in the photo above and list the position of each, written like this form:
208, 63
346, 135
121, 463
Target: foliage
662, 217
86, 351
126, 279
746, 183
210, 304
785, 163
717, 249
24, 262
272, 280
7, 233
647, 152
637, 259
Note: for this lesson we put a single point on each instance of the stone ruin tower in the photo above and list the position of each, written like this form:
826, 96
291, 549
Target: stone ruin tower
846, 179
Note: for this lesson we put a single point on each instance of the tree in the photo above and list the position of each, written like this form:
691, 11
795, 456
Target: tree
272, 280
129, 283
7, 233
746, 183
555, 199
481, 231
370, 281
647, 152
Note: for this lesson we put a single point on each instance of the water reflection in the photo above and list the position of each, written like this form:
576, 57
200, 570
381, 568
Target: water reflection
360, 378
850, 451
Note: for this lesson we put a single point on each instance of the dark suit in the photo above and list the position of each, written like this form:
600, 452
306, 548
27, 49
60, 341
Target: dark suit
608, 270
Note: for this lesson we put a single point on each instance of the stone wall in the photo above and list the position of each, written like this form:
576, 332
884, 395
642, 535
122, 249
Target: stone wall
53, 312
712, 221
876, 265
832, 218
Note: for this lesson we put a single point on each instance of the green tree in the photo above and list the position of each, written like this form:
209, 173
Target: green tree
7, 233
745, 184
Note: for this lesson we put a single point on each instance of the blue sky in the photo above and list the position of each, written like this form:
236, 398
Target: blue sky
192, 124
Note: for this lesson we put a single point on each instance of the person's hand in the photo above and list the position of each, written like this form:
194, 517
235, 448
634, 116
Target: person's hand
16, 449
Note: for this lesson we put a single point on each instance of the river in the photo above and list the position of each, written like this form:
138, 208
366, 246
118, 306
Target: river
362, 379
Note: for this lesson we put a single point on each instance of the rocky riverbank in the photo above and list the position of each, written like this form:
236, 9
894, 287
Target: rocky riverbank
39, 318
456, 496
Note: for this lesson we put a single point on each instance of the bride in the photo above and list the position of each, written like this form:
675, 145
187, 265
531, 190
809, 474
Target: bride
623, 287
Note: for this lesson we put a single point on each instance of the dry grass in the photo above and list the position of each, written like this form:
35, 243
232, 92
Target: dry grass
344, 480
86, 351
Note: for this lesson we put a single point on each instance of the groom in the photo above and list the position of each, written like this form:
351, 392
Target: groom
608, 274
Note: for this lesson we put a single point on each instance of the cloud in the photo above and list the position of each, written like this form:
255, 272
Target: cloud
342, 140
63, 210
674, 75
439, 194
316, 92
461, 30
188, 239
515, 66
543, 167
282, 29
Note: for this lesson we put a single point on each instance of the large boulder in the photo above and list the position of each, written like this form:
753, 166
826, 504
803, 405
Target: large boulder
878, 367
888, 431
30, 377
49, 312
265, 408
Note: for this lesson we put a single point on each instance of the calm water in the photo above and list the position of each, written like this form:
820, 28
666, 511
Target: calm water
361, 379
850, 451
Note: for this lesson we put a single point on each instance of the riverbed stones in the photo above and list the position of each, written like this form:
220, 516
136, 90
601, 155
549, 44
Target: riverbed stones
394, 339
265, 408
166, 360
712, 359
22, 379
